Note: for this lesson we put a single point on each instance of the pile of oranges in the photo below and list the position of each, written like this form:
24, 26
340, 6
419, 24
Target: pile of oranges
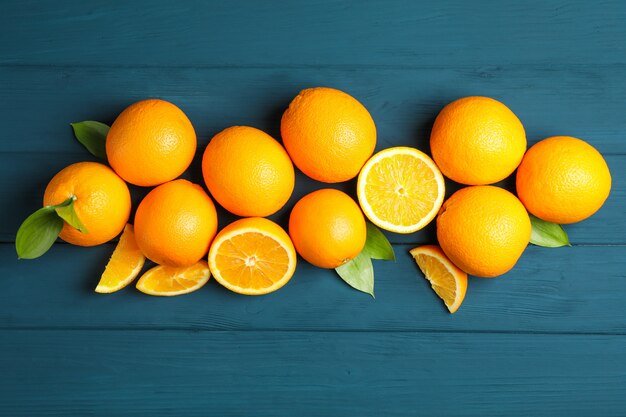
330, 137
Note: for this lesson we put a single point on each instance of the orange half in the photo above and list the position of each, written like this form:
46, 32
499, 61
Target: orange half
252, 256
447, 280
168, 281
125, 263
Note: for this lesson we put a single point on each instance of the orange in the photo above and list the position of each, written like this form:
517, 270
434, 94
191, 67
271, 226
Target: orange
175, 223
327, 228
328, 134
400, 189
447, 280
102, 201
151, 142
168, 281
563, 180
247, 171
477, 141
252, 256
483, 230
124, 265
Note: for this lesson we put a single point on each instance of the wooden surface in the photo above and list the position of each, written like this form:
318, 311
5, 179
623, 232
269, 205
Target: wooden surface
546, 339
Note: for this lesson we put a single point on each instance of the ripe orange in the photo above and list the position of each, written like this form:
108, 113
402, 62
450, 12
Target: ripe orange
124, 265
327, 228
247, 171
477, 141
175, 223
563, 180
483, 230
400, 189
168, 281
328, 134
102, 201
446, 279
151, 142
252, 256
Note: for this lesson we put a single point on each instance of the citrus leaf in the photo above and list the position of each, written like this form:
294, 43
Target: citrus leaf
547, 234
92, 135
358, 273
37, 233
377, 246
66, 211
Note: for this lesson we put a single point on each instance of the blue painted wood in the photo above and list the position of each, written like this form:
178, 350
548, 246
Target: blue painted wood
104, 373
546, 339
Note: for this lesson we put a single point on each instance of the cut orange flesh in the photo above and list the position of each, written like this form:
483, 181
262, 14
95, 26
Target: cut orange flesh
252, 256
167, 281
400, 189
447, 280
124, 265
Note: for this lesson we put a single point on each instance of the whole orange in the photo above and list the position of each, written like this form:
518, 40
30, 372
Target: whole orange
563, 180
247, 171
175, 223
477, 141
151, 142
483, 230
328, 134
327, 228
102, 201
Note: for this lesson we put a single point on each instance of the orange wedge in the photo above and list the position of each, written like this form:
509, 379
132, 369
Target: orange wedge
448, 281
168, 281
124, 265
400, 189
252, 256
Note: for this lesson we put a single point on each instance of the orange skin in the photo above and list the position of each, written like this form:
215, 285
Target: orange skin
102, 201
483, 230
563, 180
151, 142
248, 172
328, 134
327, 228
175, 223
477, 141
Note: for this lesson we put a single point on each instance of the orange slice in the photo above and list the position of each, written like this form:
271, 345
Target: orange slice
252, 256
168, 281
400, 189
125, 263
448, 281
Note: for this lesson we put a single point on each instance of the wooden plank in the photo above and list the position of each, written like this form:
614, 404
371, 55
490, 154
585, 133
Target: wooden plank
317, 33
24, 176
572, 290
63, 373
40, 102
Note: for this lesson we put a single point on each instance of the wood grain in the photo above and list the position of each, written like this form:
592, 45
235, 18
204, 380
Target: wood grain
567, 290
325, 32
104, 373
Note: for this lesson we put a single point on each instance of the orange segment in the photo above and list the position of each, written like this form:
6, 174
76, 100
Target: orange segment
252, 256
448, 281
124, 265
400, 189
165, 280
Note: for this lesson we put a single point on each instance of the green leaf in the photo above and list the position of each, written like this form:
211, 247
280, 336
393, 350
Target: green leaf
377, 246
546, 234
38, 232
358, 273
66, 211
93, 136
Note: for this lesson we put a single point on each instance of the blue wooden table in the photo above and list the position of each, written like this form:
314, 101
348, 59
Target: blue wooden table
548, 338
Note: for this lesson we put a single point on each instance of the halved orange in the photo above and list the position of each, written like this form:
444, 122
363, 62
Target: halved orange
252, 256
125, 263
448, 281
167, 281
400, 189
